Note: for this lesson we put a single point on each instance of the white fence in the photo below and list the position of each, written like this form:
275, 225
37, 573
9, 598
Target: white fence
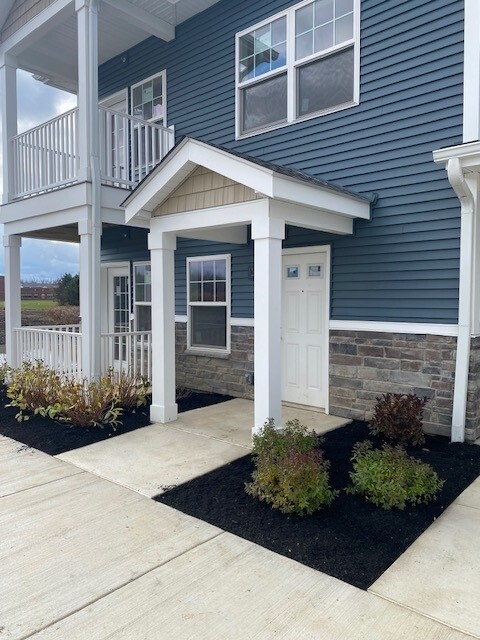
46, 157
58, 348
130, 352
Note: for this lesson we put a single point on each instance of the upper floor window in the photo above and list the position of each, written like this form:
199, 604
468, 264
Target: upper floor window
298, 64
149, 99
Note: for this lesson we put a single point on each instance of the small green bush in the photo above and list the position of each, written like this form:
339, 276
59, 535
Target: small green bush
390, 478
398, 417
290, 473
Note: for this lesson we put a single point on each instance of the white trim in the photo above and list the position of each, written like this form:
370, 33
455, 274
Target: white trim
227, 304
290, 70
418, 328
148, 22
327, 250
242, 322
234, 322
114, 98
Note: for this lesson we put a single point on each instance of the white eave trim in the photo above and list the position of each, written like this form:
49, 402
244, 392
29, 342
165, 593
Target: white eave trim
418, 328
144, 20
189, 154
468, 153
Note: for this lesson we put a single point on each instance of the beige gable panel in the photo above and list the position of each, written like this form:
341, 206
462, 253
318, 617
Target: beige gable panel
22, 11
204, 189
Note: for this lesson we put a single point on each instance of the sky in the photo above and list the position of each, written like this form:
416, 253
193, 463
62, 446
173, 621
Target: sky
41, 259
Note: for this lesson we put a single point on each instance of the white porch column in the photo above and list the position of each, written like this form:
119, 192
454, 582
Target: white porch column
268, 234
162, 247
8, 108
90, 237
13, 314
87, 43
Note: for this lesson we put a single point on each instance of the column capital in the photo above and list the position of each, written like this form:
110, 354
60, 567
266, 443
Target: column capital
161, 240
12, 241
267, 227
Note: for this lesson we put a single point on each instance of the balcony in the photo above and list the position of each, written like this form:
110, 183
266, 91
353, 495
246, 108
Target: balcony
46, 157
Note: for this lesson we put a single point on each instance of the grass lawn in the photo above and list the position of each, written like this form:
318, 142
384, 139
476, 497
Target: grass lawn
34, 305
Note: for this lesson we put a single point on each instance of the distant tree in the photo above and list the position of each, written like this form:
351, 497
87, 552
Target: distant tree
68, 292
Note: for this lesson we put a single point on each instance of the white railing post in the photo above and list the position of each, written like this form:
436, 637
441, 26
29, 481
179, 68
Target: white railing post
13, 314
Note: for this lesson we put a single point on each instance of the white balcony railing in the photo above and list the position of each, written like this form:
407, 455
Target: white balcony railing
130, 148
59, 347
47, 157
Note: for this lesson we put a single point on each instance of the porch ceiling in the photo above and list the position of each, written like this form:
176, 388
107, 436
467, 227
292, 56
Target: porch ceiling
52, 53
298, 198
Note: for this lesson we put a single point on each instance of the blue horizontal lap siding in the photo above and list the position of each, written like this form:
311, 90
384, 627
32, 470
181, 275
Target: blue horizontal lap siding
403, 264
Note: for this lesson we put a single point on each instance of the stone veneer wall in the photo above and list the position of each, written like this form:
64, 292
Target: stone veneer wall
472, 426
365, 364
224, 374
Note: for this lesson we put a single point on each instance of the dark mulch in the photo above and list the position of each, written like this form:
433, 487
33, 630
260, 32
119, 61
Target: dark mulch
352, 540
53, 437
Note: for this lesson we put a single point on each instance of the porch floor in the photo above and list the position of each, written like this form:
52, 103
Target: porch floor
159, 456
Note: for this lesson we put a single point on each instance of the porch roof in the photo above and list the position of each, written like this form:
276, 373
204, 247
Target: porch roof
266, 179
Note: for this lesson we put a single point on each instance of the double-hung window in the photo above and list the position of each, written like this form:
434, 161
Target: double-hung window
299, 64
208, 295
142, 299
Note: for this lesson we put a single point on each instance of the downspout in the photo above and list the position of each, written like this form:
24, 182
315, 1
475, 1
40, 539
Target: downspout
462, 365
96, 182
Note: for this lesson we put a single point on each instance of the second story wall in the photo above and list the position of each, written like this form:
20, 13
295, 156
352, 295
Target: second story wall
402, 265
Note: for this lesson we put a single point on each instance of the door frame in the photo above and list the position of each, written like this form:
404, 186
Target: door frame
327, 250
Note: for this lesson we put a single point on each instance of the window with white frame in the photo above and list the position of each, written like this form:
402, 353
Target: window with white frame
149, 99
142, 298
299, 64
208, 295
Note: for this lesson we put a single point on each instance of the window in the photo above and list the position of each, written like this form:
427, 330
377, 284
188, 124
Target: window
149, 99
142, 298
208, 284
299, 64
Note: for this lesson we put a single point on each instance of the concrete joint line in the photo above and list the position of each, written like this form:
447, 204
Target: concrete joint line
424, 615
203, 435
43, 484
117, 588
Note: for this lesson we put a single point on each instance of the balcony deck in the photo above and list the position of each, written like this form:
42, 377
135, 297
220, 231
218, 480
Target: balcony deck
46, 157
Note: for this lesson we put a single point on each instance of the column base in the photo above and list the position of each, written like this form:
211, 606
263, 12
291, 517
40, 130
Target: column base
162, 414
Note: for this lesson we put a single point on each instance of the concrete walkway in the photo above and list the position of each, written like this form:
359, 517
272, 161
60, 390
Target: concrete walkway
83, 558
157, 457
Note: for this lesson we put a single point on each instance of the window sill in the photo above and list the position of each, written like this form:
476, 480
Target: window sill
208, 353
317, 114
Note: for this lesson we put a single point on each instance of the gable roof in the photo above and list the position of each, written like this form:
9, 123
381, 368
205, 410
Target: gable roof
5, 8
272, 180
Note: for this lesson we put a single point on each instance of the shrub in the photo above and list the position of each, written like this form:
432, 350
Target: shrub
290, 472
36, 388
32, 387
398, 417
389, 478
130, 391
65, 315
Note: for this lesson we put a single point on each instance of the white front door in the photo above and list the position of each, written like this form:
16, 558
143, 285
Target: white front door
118, 315
304, 329
116, 135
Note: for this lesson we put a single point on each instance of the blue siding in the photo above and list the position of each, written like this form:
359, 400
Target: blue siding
403, 265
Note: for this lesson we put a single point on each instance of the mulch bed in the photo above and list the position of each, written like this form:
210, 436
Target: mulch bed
53, 437
352, 540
